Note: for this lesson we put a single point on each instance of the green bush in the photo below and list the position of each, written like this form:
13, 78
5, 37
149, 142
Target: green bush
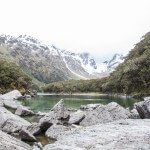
12, 77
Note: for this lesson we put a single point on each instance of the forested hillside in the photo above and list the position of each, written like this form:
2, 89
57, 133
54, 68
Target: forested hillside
72, 86
130, 77
47, 63
12, 77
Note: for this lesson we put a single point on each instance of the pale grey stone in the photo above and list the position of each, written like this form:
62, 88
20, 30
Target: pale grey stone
23, 111
128, 134
8, 142
10, 103
11, 123
76, 117
134, 114
104, 114
15, 94
58, 114
25, 135
60, 110
143, 108
89, 106
34, 129
56, 130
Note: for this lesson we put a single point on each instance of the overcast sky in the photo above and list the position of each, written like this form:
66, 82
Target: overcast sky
101, 27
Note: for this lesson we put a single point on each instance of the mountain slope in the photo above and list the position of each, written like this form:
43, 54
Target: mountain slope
12, 77
49, 64
35, 58
132, 76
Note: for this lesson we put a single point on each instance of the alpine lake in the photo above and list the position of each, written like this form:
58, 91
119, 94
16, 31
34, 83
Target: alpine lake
44, 102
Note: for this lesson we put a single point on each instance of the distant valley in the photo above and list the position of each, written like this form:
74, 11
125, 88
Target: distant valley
26, 63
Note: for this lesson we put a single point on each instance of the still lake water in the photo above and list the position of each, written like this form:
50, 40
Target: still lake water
46, 102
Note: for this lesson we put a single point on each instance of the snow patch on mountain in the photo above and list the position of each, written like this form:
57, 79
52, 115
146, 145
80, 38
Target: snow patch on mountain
78, 75
82, 65
114, 62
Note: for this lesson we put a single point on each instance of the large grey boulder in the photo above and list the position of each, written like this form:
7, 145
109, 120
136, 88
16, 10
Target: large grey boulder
128, 134
104, 114
8, 142
56, 130
24, 111
143, 108
134, 114
25, 135
58, 114
117, 112
48, 120
99, 115
11, 103
147, 98
60, 110
15, 94
76, 117
34, 129
11, 123
10, 99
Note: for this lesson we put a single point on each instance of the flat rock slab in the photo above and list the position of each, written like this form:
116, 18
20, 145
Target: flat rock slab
57, 130
15, 94
10, 103
11, 123
8, 142
129, 134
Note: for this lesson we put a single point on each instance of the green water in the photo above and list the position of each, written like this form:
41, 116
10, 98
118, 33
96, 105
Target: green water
45, 103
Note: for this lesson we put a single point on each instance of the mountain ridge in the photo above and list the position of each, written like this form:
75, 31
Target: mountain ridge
47, 63
132, 77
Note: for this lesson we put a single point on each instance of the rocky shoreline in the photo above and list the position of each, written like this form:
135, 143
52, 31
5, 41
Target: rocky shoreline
92, 127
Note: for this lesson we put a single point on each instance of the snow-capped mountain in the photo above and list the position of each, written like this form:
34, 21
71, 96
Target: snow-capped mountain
87, 62
114, 62
111, 64
49, 64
